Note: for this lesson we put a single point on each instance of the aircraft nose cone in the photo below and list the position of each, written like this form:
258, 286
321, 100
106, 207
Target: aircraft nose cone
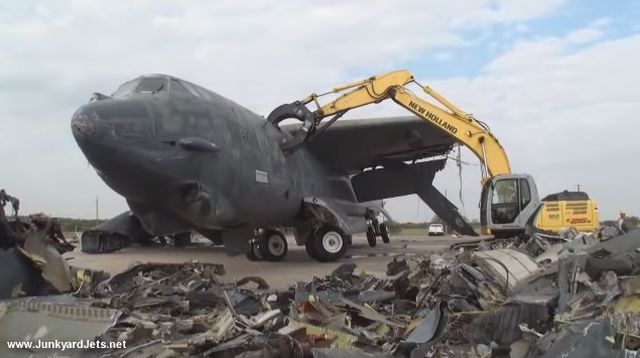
83, 123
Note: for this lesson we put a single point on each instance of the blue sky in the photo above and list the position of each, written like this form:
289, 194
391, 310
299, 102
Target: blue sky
484, 45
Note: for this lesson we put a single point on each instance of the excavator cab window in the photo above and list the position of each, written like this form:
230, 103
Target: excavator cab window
525, 194
505, 203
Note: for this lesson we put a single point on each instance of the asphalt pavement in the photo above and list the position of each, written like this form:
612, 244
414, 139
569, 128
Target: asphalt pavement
297, 265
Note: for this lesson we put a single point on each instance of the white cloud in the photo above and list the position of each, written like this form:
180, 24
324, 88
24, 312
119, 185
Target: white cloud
591, 33
565, 117
584, 35
443, 56
260, 54
601, 22
505, 11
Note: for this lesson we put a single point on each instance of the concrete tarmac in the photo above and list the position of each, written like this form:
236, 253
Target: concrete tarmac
296, 266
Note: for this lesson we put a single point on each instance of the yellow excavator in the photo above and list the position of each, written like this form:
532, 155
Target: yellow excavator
509, 202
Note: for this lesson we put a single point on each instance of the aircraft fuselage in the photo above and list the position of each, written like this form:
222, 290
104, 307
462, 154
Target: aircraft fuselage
186, 158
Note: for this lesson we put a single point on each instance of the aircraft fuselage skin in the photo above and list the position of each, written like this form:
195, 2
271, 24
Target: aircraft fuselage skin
192, 159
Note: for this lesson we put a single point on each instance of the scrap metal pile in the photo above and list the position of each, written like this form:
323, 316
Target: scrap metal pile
571, 295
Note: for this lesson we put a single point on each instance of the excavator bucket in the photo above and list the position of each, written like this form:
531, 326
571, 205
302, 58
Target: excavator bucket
296, 110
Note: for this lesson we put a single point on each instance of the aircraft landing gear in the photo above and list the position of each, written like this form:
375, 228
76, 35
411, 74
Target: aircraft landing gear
327, 244
384, 233
268, 245
254, 253
371, 236
374, 229
182, 239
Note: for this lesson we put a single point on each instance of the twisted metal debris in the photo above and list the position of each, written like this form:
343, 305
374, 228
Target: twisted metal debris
572, 295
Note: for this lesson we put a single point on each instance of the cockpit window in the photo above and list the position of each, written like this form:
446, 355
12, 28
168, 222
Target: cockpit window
178, 88
125, 89
152, 85
193, 89
198, 91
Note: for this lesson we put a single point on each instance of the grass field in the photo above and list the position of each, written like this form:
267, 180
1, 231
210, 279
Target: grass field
414, 232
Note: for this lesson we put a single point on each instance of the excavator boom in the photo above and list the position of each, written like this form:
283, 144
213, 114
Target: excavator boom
451, 120
508, 201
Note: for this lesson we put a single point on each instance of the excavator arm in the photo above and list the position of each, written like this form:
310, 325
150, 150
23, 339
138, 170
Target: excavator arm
451, 120
504, 217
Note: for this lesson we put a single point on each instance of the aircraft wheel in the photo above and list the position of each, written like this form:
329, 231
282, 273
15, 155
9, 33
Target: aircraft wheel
272, 245
349, 240
254, 252
371, 236
308, 245
384, 233
329, 243
182, 239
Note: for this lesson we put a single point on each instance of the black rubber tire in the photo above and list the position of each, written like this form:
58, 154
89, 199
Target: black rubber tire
253, 254
320, 239
182, 239
384, 233
272, 245
308, 245
371, 236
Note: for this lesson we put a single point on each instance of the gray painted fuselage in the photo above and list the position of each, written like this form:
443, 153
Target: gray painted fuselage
186, 158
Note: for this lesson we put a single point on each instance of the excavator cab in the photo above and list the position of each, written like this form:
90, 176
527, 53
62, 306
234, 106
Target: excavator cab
508, 202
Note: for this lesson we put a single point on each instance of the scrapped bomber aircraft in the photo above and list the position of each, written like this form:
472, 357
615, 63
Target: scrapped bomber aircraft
187, 159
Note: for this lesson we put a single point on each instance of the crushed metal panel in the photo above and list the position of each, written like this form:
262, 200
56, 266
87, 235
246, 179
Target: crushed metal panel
370, 314
341, 339
124, 281
220, 330
584, 339
19, 276
427, 328
630, 285
507, 266
55, 269
502, 325
619, 244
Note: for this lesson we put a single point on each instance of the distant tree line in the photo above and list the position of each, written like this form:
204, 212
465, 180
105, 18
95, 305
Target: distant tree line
396, 227
71, 225
632, 222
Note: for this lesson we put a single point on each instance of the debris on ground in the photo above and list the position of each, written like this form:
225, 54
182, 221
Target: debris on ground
569, 295
32, 257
